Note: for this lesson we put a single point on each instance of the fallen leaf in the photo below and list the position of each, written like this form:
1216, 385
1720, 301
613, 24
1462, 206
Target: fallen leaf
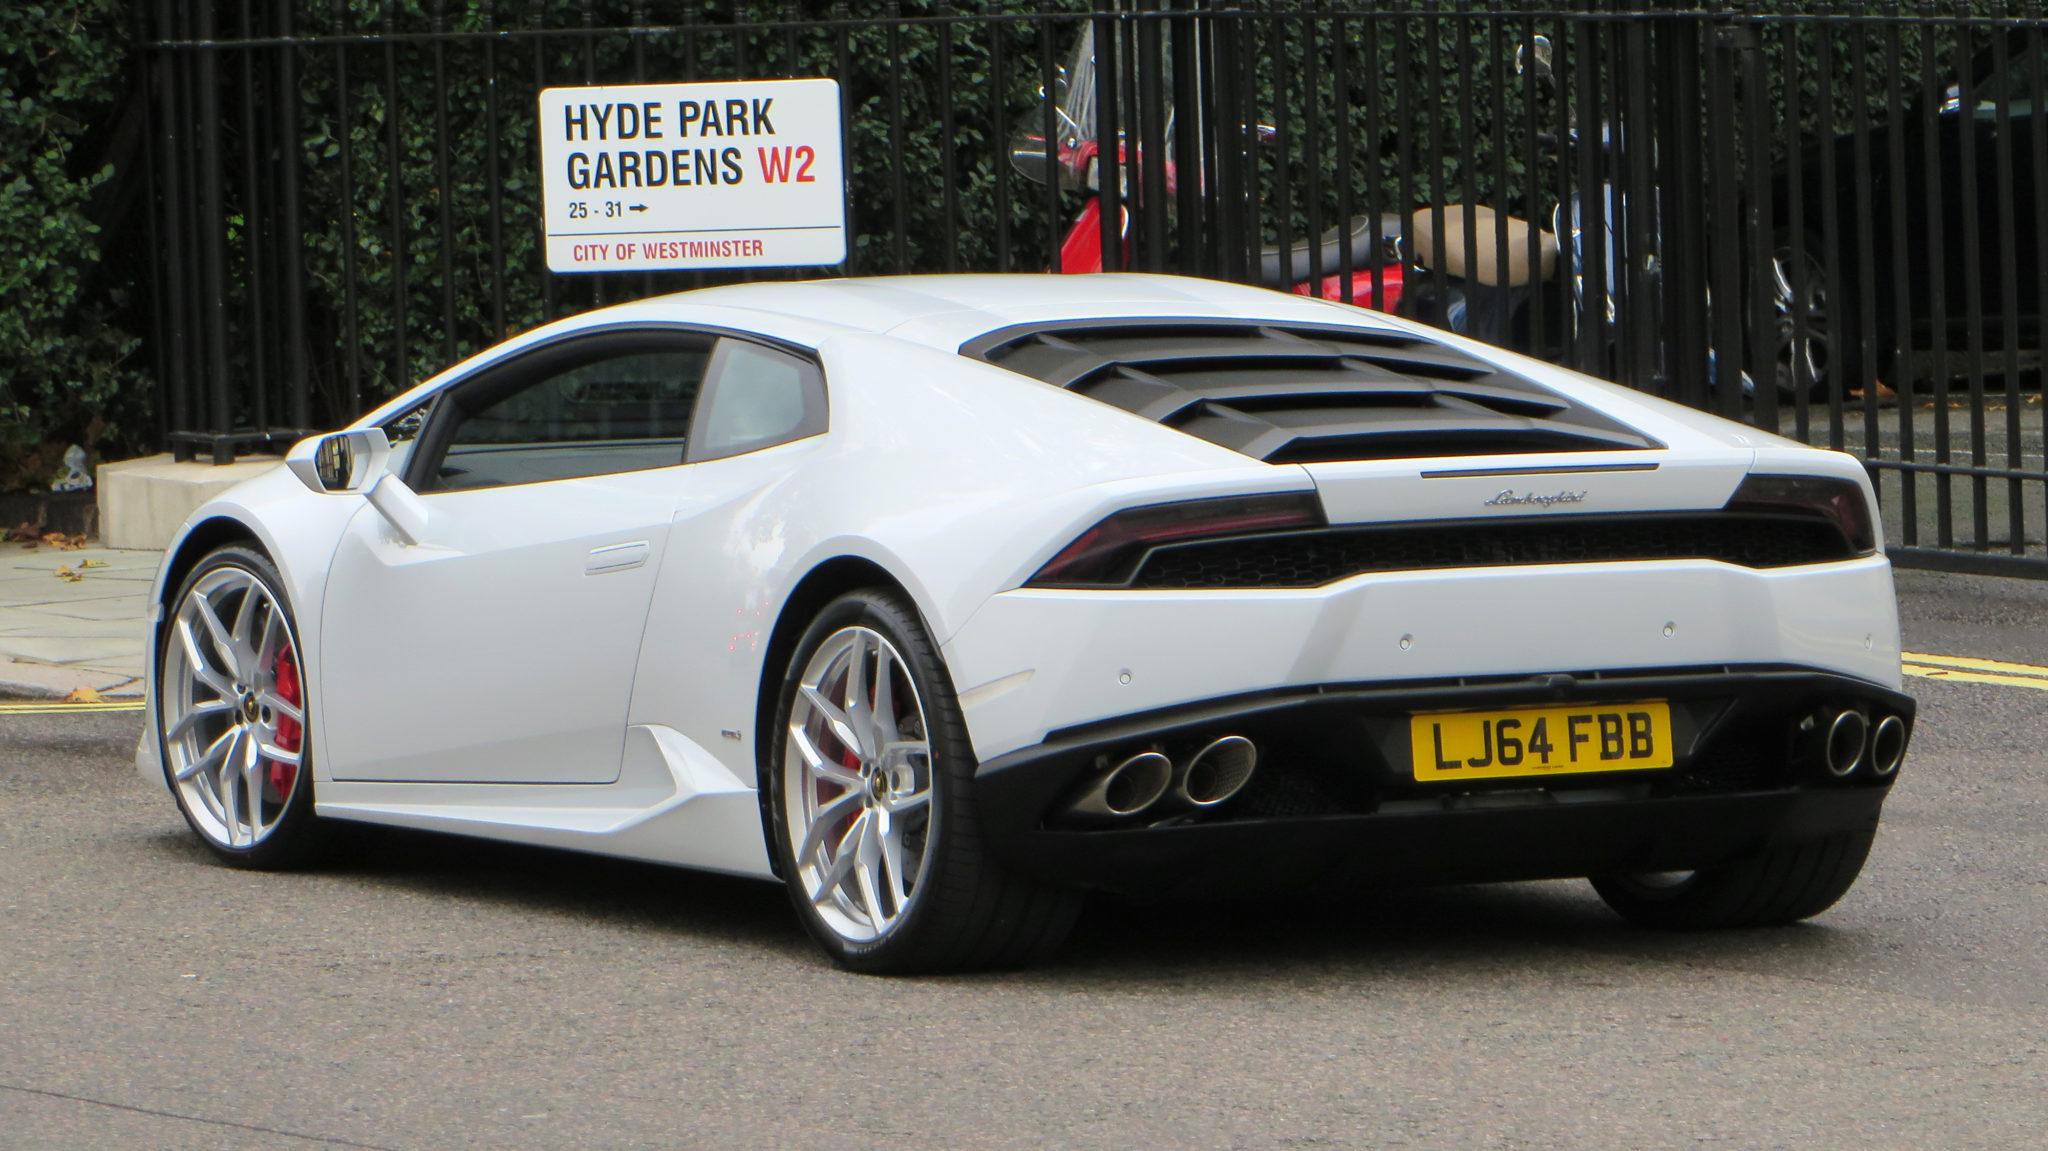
64, 543
69, 576
23, 532
85, 695
84, 564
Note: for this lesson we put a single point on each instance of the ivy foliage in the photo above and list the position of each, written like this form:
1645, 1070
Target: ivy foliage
67, 352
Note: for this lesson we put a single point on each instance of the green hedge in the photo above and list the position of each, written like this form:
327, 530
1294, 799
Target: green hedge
68, 371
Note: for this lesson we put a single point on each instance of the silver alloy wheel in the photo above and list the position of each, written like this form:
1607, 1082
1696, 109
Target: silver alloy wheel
857, 784
231, 705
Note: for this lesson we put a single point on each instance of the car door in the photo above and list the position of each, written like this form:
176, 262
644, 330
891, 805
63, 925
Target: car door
501, 647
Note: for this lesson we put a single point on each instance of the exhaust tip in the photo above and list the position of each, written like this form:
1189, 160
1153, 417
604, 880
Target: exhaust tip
1125, 790
1846, 738
1218, 771
1887, 745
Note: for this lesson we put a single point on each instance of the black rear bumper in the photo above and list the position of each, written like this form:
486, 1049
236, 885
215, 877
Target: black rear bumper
1334, 798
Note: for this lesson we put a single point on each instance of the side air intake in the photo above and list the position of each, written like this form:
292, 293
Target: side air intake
1304, 393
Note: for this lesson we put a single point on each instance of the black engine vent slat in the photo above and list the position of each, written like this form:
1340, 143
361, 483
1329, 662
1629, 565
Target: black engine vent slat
1304, 393
1326, 555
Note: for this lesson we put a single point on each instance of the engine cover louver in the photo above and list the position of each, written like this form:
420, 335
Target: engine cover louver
1303, 393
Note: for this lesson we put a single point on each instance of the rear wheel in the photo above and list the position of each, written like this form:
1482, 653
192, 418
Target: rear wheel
1775, 886
873, 818
232, 714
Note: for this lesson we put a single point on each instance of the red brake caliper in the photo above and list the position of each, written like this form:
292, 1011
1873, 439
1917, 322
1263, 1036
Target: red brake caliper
289, 732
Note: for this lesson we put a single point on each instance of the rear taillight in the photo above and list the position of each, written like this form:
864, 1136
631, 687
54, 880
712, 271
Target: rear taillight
1838, 501
1108, 554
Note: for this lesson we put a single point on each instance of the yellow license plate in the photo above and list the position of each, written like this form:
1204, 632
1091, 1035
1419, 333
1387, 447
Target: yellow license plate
1449, 746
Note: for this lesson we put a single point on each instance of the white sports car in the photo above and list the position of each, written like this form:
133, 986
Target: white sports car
946, 599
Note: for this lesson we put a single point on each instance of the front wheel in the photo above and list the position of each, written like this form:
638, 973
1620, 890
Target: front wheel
1775, 886
872, 815
232, 714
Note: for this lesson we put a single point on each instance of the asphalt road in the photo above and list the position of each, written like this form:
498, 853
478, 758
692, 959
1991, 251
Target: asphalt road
435, 992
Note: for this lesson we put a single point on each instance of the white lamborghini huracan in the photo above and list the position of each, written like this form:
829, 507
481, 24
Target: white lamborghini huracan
947, 599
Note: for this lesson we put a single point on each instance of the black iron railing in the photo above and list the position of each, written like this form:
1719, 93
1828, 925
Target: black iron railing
1826, 220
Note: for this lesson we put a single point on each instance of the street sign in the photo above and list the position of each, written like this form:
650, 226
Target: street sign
745, 174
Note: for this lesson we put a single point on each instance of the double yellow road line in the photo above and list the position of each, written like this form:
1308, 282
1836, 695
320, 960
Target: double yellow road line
58, 707
1965, 669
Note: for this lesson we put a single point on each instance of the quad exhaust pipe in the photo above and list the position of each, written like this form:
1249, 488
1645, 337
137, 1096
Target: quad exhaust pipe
1148, 781
1847, 736
1217, 772
1128, 789
1854, 740
1887, 745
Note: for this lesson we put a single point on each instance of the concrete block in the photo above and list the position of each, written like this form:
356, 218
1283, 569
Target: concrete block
143, 501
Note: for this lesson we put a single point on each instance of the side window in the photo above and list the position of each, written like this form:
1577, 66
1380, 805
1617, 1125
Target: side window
758, 397
621, 405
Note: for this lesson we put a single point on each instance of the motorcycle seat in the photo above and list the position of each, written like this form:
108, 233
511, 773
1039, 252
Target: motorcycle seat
1478, 257
1286, 267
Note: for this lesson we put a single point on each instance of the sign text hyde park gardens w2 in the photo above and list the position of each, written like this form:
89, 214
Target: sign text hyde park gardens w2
746, 174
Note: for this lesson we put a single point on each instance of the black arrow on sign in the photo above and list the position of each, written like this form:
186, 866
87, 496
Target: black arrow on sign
637, 207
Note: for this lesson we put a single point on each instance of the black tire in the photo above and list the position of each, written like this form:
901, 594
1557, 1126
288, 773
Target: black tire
1776, 886
966, 911
297, 837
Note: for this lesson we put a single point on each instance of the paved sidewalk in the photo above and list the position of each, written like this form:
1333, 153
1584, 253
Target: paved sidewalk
60, 634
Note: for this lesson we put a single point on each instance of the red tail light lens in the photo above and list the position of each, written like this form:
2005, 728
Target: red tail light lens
1108, 554
1838, 501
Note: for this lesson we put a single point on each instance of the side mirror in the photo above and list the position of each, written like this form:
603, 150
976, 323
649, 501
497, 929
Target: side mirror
340, 463
354, 463
1534, 56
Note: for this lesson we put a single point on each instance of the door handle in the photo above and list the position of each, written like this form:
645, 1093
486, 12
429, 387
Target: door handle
616, 558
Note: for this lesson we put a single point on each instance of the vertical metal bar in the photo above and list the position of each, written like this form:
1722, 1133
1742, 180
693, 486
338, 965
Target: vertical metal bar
1049, 107
213, 243
548, 310
1281, 146
1108, 166
1796, 266
588, 43
1898, 335
1192, 171
1973, 271
166, 168
1642, 324
1434, 148
394, 203
999, 131
1312, 146
1831, 199
1725, 262
1347, 170
1468, 223
1501, 197
255, 237
842, 47
1540, 295
1682, 212
1132, 135
2037, 124
949, 187
1595, 334
1150, 82
299, 395
441, 182
345, 136
1937, 262
1226, 131
899, 192
1865, 301
2008, 292
1762, 344
1570, 272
